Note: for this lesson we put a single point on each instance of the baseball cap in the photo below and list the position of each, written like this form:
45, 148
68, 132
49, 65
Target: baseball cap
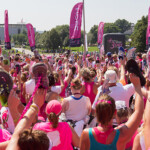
120, 104
121, 49
53, 106
59, 62
111, 76
88, 55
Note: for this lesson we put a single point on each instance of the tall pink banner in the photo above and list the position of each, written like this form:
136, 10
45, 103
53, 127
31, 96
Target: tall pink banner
147, 33
31, 36
75, 25
6, 32
148, 30
100, 33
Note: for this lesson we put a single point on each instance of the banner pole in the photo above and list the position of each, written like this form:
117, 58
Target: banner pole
84, 27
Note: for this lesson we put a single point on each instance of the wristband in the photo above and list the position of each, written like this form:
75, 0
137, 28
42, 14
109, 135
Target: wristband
36, 107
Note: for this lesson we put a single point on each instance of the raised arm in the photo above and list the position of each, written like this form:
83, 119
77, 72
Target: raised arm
122, 69
133, 123
147, 123
61, 80
13, 103
28, 118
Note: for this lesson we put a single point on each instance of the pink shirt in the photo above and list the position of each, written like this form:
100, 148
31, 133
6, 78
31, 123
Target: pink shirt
61, 136
62, 94
89, 91
42, 115
102, 136
4, 135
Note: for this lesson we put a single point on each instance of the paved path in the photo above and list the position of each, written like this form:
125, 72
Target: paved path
27, 51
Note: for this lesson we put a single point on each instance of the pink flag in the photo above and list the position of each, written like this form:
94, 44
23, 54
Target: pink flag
0, 51
75, 25
148, 30
6, 32
147, 33
100, 33
31, 36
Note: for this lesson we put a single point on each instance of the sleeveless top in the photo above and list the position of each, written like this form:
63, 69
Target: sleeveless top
78, 108
102, 136
89, 91
142, 142
30, 86
94, 145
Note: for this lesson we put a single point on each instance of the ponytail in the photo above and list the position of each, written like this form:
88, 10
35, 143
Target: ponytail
54, 119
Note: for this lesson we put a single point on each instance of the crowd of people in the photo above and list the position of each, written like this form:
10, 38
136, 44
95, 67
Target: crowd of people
74, 102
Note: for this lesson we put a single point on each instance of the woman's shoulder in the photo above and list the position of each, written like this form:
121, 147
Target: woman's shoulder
42, 126
63, 124
86, 131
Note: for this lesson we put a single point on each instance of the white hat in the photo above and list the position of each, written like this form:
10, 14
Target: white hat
120, 104
111, 76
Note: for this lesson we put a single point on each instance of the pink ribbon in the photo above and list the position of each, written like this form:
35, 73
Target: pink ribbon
100, 101
30, 101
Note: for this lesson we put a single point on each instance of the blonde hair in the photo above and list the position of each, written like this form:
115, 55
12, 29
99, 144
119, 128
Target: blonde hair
86, 74
113, 68
144, 56
92, 72
26, 68
76, 84
56, 76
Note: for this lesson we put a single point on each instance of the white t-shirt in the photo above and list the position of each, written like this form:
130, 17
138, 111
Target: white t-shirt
118, 93
56, 89
7, 120
30, 86
78, 108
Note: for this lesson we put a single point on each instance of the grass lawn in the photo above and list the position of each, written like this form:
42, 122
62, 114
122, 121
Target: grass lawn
76, 49
80, 49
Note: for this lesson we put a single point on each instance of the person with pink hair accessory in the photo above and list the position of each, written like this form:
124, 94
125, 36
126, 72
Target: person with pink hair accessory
103, 136
60, 133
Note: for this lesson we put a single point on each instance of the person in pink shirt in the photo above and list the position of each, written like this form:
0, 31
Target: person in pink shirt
89, 88
4, 135
60, 133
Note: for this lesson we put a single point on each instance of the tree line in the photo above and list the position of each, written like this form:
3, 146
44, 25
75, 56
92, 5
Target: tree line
58, 37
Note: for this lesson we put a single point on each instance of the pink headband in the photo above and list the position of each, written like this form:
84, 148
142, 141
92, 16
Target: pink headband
100, 101
72, 84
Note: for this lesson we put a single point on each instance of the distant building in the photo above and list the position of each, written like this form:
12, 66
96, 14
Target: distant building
130, 31
13, 29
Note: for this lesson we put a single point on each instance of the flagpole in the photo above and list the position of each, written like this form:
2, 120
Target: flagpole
84, 27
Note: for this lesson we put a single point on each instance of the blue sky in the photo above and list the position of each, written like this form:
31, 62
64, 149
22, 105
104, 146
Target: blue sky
46, 14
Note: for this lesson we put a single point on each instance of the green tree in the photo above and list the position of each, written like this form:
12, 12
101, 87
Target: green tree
123, 25
45, 40
63, 32
66, 41
55, 40
20, 39
111, 28
93, 34
139, 35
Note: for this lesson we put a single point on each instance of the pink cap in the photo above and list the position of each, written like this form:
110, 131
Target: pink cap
43, 57
97, 58
53, 106
88, 55
49, 57
59, 62
14, 86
